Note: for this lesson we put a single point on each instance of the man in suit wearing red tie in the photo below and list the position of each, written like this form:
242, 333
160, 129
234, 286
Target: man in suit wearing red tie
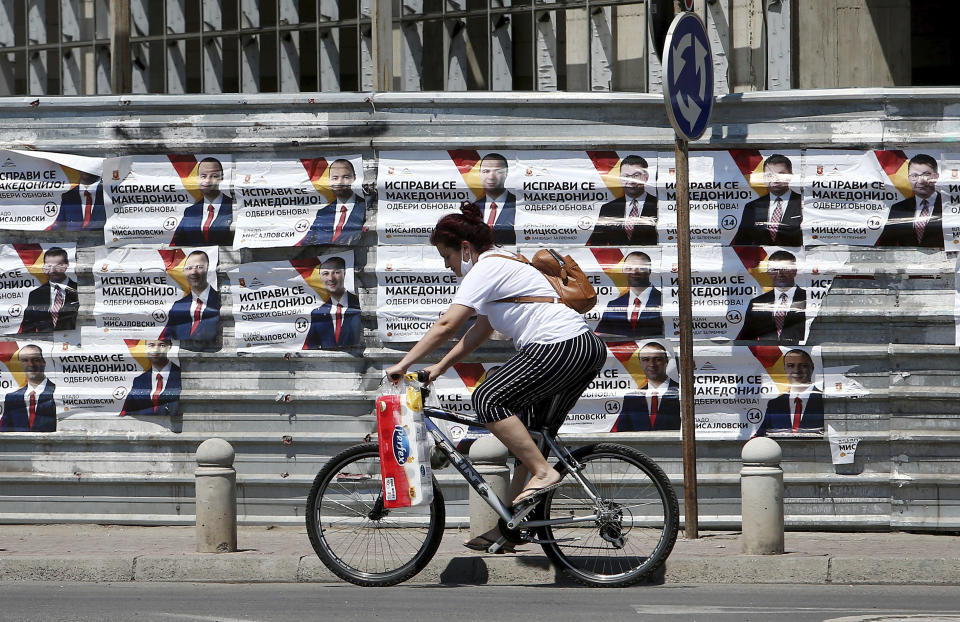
498, 204
207, 221
637, 313
778, 316
630, 220
81, 207
336, 323
801, 409
32, 407
53, 305
157, 390
657, 407
340, 221
774, 219
917, 221
194, 320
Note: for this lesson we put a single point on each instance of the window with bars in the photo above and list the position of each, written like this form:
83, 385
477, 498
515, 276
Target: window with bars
73, 47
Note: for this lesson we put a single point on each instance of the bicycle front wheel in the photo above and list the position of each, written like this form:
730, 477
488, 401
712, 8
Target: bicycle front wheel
636, 524
355, 536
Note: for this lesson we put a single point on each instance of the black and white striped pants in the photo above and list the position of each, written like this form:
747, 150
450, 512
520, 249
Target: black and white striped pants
527, 384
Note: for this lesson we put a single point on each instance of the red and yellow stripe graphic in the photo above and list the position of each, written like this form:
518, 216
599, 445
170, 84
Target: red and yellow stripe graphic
173, 260
754, 259
8, 356
894, 163
611, 261
468, 163
607, 164
750, 163
771, 357
472, 374
186, 168
138, 350
309, 268
627, 352
32, 257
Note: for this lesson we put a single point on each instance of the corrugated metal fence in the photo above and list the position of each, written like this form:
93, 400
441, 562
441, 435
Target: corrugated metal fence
894, 328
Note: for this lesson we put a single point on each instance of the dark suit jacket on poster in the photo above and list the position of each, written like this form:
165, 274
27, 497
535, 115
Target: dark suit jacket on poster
779, 415
190, 230
322, 334
635, 416
140, 402
899, 228
37, 318
759, 325
616, 317
503, 231
179, 320
609, 230
16, 416
71, 211
325, 223
753, 225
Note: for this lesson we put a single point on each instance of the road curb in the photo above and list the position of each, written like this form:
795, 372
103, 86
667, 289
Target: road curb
479, 569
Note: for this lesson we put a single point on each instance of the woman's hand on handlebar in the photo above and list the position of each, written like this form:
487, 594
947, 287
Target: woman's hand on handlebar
395, 372
435, 372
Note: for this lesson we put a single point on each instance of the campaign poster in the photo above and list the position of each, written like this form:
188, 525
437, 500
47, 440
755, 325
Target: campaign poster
29, 393
848, 195
300, 304
299, 202
178, 200
147, 293
629, 290
416, 188
753, 294
741, 392
956, 301
42, 191
594, 198
775, 216
111, 376
413, 289
38, 288
618, 400
948, 194
721, 185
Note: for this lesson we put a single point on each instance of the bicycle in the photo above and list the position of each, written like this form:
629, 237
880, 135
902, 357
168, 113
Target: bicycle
611, 523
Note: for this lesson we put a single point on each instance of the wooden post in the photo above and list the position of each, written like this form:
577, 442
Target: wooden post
120, 78
687, 424
381, 16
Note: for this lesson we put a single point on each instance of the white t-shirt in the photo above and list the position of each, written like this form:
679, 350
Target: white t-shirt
494, 278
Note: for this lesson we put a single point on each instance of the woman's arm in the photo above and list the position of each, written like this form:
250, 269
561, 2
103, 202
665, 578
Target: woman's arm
441, 332
472, 339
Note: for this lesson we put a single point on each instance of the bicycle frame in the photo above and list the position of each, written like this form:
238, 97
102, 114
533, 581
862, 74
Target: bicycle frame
544, 441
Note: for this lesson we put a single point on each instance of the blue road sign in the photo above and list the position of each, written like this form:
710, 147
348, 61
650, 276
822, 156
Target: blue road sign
688, 76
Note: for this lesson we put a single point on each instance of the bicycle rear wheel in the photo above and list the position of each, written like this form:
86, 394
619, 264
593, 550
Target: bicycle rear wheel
637, 524
355, 537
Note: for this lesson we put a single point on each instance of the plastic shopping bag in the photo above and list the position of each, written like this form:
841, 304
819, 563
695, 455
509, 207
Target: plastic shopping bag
404, 445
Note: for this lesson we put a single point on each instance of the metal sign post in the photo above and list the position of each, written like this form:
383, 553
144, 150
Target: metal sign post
688, 94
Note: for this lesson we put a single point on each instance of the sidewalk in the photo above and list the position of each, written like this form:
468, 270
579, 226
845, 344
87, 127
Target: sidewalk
283, 554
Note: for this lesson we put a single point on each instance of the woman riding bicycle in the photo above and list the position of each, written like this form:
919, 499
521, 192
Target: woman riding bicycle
557, 354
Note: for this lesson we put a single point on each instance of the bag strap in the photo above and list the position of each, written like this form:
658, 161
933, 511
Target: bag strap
526, 299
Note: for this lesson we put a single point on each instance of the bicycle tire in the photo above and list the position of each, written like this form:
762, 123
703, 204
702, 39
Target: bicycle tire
354, 543
634, 487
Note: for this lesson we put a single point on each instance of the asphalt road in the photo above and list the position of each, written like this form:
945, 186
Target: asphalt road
186, 602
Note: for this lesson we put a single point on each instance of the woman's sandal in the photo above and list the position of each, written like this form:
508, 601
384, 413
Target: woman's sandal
483, 544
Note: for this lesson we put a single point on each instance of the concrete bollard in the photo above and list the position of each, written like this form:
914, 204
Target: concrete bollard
761, 494
489, 456
216, 497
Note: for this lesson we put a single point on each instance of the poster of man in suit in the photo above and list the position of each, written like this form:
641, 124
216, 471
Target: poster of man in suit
37, 189
341, 220
635, 314
31, 407
194, 319
779, 315
335, 323
81, 207
149, 293
655, 406
497, 204
39, 286
629, 220
55, 304
799, 410
183, 200
157, 390
917, 220
301, 304
774, 219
